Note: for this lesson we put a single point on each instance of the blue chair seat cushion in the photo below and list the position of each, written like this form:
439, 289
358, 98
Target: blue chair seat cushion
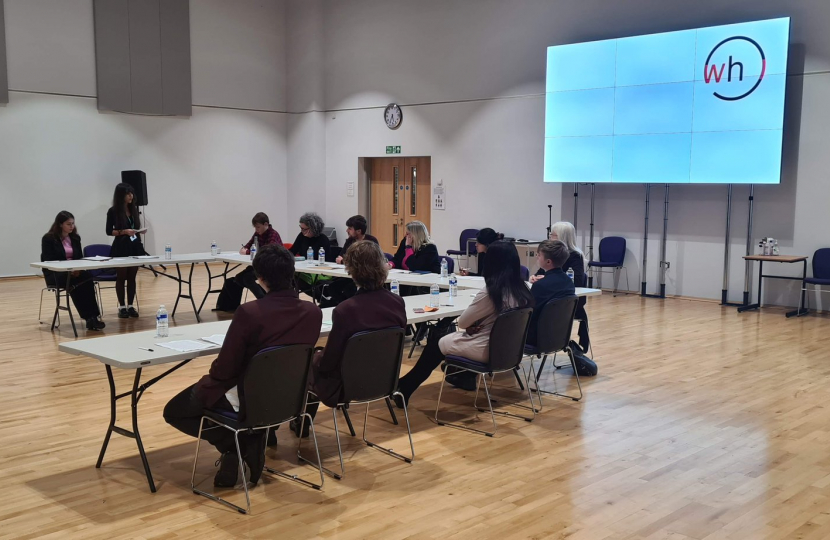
817, 281
604, 264
466, 363
229, 418
531, 349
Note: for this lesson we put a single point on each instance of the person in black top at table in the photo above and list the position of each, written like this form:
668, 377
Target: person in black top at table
311, 235
356, 231
551, 256
418, 254
484, 238
341, 289
124, 223
565, 232
62, 243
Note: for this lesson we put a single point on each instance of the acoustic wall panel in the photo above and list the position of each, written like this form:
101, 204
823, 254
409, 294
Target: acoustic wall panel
4, 76
143, 56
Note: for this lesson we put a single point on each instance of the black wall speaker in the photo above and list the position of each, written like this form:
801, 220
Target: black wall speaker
138, 180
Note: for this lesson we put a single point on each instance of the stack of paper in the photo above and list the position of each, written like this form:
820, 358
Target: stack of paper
186, 345
216, 339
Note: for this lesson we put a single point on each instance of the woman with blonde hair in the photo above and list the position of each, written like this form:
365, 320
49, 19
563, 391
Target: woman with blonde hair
416, 251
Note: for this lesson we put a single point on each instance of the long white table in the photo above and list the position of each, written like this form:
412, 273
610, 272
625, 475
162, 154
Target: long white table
129, 351
127, 262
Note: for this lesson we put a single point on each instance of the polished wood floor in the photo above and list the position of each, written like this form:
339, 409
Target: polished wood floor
703, 424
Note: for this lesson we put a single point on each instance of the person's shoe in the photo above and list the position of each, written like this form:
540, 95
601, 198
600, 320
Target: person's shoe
272, 438
295, 427
123, 314
132, 312
255, 456
399, 401
228, 471
464, 380
92, 324
100, 324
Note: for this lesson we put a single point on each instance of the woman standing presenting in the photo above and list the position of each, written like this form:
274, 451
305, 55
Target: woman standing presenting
124, 223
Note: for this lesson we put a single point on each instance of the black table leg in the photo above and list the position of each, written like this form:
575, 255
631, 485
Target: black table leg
802, 310
757, 304
179, 281
134, 397
190, 292
112, 418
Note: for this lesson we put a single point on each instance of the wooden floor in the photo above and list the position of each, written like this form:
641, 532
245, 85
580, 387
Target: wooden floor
703, 424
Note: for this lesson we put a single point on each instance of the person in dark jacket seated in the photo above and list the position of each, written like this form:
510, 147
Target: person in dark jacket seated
62, 243
342, 288
373, 307
416, 253
311, 236
554, 284
484, 238
279, 318
565, 232
356, 227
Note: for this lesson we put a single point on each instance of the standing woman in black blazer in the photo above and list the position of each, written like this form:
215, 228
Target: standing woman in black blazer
62, 243
123, 222
418, 254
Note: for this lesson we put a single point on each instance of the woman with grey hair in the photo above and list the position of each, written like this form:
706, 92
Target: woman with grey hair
311, 235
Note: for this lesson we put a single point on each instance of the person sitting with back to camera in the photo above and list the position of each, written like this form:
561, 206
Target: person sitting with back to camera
551, 256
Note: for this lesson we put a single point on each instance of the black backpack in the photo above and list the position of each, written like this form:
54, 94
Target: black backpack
585, 367
230, 297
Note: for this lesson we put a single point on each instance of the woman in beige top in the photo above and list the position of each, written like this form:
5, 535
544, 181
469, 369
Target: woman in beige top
505, 289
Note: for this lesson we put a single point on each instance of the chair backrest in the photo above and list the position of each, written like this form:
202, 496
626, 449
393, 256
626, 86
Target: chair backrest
99, 250
331, 234
525, 272
371, 364
612, 250
275, 384
821, 263
388, 256
554, 325
507, 338
450, 263
466, 234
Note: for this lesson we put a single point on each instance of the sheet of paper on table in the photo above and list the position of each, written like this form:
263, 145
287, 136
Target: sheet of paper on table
186, 345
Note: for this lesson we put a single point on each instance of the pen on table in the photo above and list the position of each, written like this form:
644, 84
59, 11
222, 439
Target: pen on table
145, 349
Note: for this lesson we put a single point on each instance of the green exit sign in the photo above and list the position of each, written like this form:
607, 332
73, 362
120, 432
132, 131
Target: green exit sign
393, 149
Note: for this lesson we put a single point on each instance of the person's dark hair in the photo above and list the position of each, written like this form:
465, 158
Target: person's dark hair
261, 218
503, 277
357, 223
120, 206
313, 222
274, 265
60, 219
556, 251
366, 264
487, 236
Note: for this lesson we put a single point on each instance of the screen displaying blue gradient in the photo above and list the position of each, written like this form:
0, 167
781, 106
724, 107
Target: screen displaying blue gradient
701, 106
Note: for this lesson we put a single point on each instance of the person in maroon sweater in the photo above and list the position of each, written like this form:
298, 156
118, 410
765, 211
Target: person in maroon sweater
279, 318
372, 308
264, 235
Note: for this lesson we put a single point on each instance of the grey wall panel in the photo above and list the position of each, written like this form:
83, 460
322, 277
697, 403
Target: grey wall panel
175, 57
112, 55
4, 76
145, 57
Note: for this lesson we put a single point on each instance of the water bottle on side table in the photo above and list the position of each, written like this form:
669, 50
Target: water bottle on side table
571, 273
395, 287
309, 255
434, 295
443, 268
453, 288
168, 252
213, 248
162, 327
321, 258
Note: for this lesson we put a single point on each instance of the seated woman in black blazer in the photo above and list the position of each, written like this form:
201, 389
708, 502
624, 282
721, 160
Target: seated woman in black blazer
484, 238
62, 243
416, 253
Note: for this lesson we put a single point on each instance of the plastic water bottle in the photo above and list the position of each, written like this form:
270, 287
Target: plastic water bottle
309, 255
162, 328
453, 286
443, 268
395, 287
213, 248
253, 250
321, 257
168, 252
434, 295
570, 273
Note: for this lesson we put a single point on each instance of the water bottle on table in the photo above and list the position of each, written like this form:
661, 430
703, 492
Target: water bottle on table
309, 255
443, 268
571, 273
434, 295
395, 287
168, 252
213, 248
321, 257
162, 327
254, 248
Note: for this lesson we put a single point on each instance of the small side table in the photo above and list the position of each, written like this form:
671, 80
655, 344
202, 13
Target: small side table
790, 259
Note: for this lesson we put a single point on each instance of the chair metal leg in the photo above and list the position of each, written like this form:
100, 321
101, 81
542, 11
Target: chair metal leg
531, 408
247, 509
518, 379
461, 426
319, 464
555, 393
389, 451
294, 477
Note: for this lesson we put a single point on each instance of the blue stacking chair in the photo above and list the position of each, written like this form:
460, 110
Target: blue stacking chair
466, 235
821, 273
612, 256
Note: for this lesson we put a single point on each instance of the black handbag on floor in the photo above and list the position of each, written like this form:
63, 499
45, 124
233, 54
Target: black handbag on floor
230, 297
585, 367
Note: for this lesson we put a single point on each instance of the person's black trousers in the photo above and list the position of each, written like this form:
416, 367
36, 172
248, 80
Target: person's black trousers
582, 317
431, 358
83, 293
247, 278
184, 412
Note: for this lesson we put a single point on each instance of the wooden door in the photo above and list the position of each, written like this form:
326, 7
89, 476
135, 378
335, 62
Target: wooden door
400, 193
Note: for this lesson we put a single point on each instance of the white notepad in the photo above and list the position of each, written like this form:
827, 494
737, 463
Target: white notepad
216, 339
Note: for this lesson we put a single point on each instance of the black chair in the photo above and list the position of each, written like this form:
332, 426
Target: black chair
507, 341
553, 335
369, 370
611, 255
274, 392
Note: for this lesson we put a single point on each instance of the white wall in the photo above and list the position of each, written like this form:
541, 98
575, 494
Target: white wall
476, 70
207, 175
